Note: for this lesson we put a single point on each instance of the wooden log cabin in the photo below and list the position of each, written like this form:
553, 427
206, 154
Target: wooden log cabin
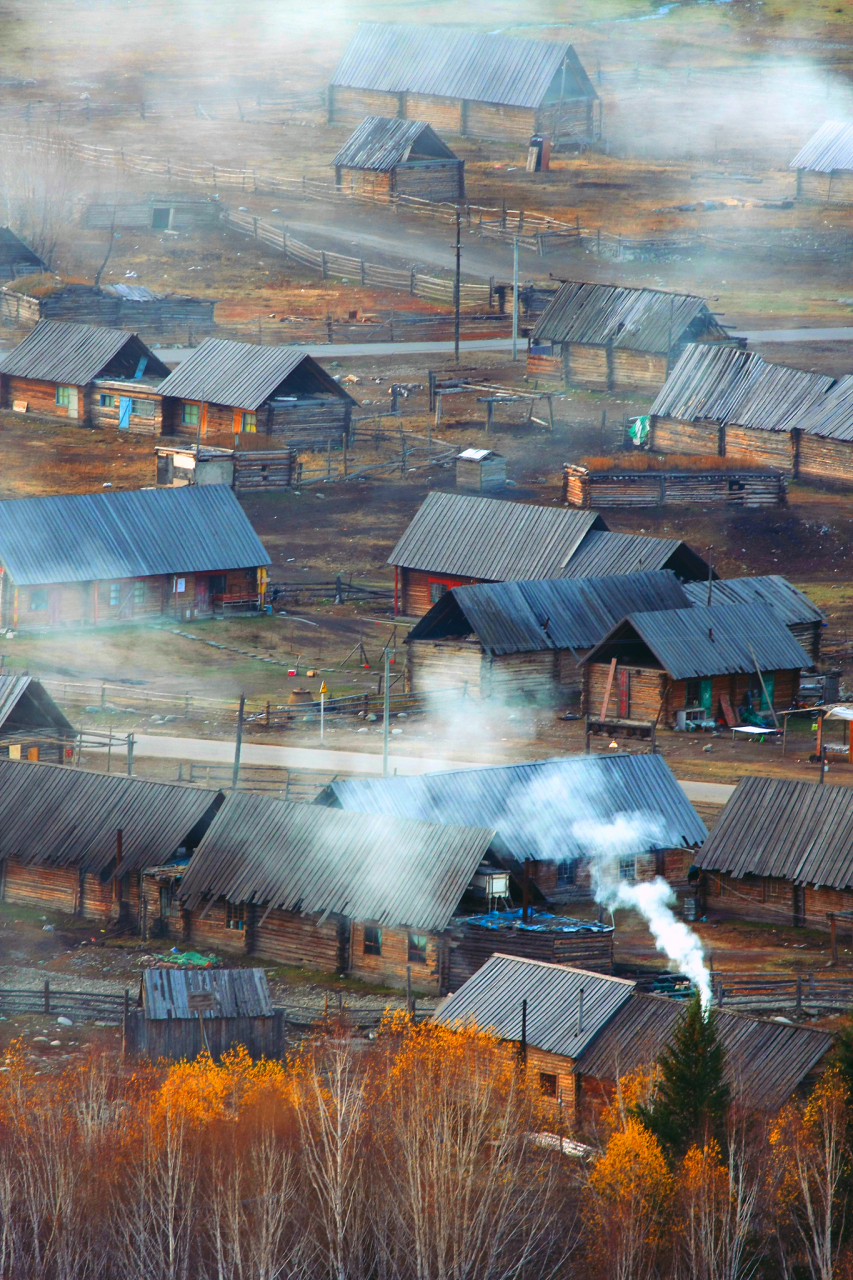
799, 614
118, 306
822, 436
225, 388
303, 885
388, 158
612, 338
32, 726
175, 211
704, 664
824, 166
17, 259
84, 373
104, 558
542, 812
77, 842
473, 83
521, 641
623, 484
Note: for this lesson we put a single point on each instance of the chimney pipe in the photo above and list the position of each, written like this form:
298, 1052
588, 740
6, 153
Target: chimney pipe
580, 1011
525, 892
117, 879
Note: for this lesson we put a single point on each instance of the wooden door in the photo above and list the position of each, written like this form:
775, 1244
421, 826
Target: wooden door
54, 605
624, 694
124, 405
202, 595
799, 902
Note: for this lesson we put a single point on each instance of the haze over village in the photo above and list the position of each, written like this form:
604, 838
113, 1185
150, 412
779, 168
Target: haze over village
426, 640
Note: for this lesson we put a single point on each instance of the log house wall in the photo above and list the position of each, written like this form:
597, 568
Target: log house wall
761, 448
652, 691
638, 369
825, 188
40, 398
673, 435
65, 889
390, 967
772, 898
563, 1107
414, 600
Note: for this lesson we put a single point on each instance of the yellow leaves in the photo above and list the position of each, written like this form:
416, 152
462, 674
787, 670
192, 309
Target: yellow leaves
632, 1170
632, 1090
202, 1091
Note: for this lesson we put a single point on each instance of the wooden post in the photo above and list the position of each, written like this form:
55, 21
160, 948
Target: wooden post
238, 743
833, 936
611, 673
47, 995
408, 988
799, 995
344, 451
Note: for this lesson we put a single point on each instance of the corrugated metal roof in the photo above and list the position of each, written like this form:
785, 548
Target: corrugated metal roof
57, 816
603, 555
380, 143
556, 1020
475, 537
244, 374
25, 702
764, 1061
831, 148
239, 993
450, 63
636, 319
702, 641
830, 416
548, 613
772, 590
88, 537
727, 385
312, 859
133, 292
58, 351
798, 831
544, 809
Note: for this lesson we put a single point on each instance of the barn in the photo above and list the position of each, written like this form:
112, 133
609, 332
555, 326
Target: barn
388, 158
93, 558
77, 842
31, 723
802, 618
17, 258
822, 432
89, 374
609, 337
522, 640
545, 814
725, 401
177, 211
223, 388
700, 664
118, 306
474, 83
824, 166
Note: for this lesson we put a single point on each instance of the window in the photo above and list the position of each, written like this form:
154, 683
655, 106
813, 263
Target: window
107, 401
249, 422
565, 873
115, 595
235, 915
63, 396
417, 948
372, 940
694, 693
627, 869
143, 408
139, 594
169, 905
436, 591
547, 1084
189, 415
38, 600
160, 219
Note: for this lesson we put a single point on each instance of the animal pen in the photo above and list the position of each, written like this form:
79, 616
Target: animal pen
492, 396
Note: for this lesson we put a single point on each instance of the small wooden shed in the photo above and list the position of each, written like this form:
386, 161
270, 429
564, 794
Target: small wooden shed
185, 1012
31, 723
387, 158
17, 258
480, 471
824, 166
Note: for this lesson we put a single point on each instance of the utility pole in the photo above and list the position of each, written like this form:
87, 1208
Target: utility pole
386, 696
239, 743
515, 298
457, 287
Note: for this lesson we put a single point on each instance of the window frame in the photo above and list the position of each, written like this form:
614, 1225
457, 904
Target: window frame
548, 1084
249, 422
190, 413
235, 916
149, 409
38, 594
115, 595
63, 396
108, 400
628, 868
139, 591
418, 943
372, 940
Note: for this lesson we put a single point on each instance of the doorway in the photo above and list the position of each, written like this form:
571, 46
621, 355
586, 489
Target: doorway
124, 406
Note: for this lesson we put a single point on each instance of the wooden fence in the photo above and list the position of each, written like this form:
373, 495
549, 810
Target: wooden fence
801, 992
287, 784
85, 1006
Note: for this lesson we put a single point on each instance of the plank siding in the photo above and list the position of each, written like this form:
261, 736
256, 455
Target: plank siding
487, 120
433, 180
539, 366
444, 664
524, 677
827, 461
825, 188
46, 888
363, 182
672, 435
470, 948
444, 114
350, 106
300, 941
389, 968
646, 689
638, 369
760, 448
415, 589
586, 366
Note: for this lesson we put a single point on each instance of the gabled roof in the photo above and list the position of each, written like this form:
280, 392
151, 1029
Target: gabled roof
448, 62
59, 351
380, 143
636, 319
25, 703
765, 1062
238, 993
305, 858
702, 641
557, 1021
88, 537
789, 604
728, 385
475, 537
798, 831
57, 816
245, 374
830, 416
547, 613
608, 554
831, 148
545, 809
14, 250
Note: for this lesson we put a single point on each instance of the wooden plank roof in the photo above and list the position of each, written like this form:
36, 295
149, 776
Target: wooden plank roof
829, 149
59, 351
237, 993
777, 593
831, 416
245, 374
605, 554
380, 144
636, 319
24, 702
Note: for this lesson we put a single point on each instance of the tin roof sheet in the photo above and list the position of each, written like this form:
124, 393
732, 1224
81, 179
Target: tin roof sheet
89, 537
772, 590
380, 143
26, 703
311, 859
547, 809
238, 993
475, 537
448, 62
636, 319
244, 374
557, 1021
829, 149
608, 554
59, 351
57, 816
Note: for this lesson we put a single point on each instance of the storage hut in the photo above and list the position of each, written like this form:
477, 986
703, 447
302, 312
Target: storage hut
824, 166
485, 85
88, 374
480, 471
17, 258
822, 434
118, 306
610, 338
229, 387
523, 640
90, 558
700, 664
175, 212
387, 158
546, 813
31, 723
76, 842
186, 1012
725, 401
781, 851
355, 893
802, 618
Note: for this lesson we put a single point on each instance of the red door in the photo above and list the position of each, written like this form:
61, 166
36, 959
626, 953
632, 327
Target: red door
202, 595
624, 694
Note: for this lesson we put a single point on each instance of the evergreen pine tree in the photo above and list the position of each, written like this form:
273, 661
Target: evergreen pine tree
692, 1097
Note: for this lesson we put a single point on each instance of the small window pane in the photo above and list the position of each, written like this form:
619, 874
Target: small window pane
114, 594
235, 915
139, 593
38, 600
107, 402
417, 948
627, 869
143, 408
436, 591
250, 422
372, 940
189, 415
63, 396
547, 1084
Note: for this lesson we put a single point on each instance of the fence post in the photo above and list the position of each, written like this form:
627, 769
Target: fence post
47, 995
323, 262
362, 271
412, 285
799, 993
